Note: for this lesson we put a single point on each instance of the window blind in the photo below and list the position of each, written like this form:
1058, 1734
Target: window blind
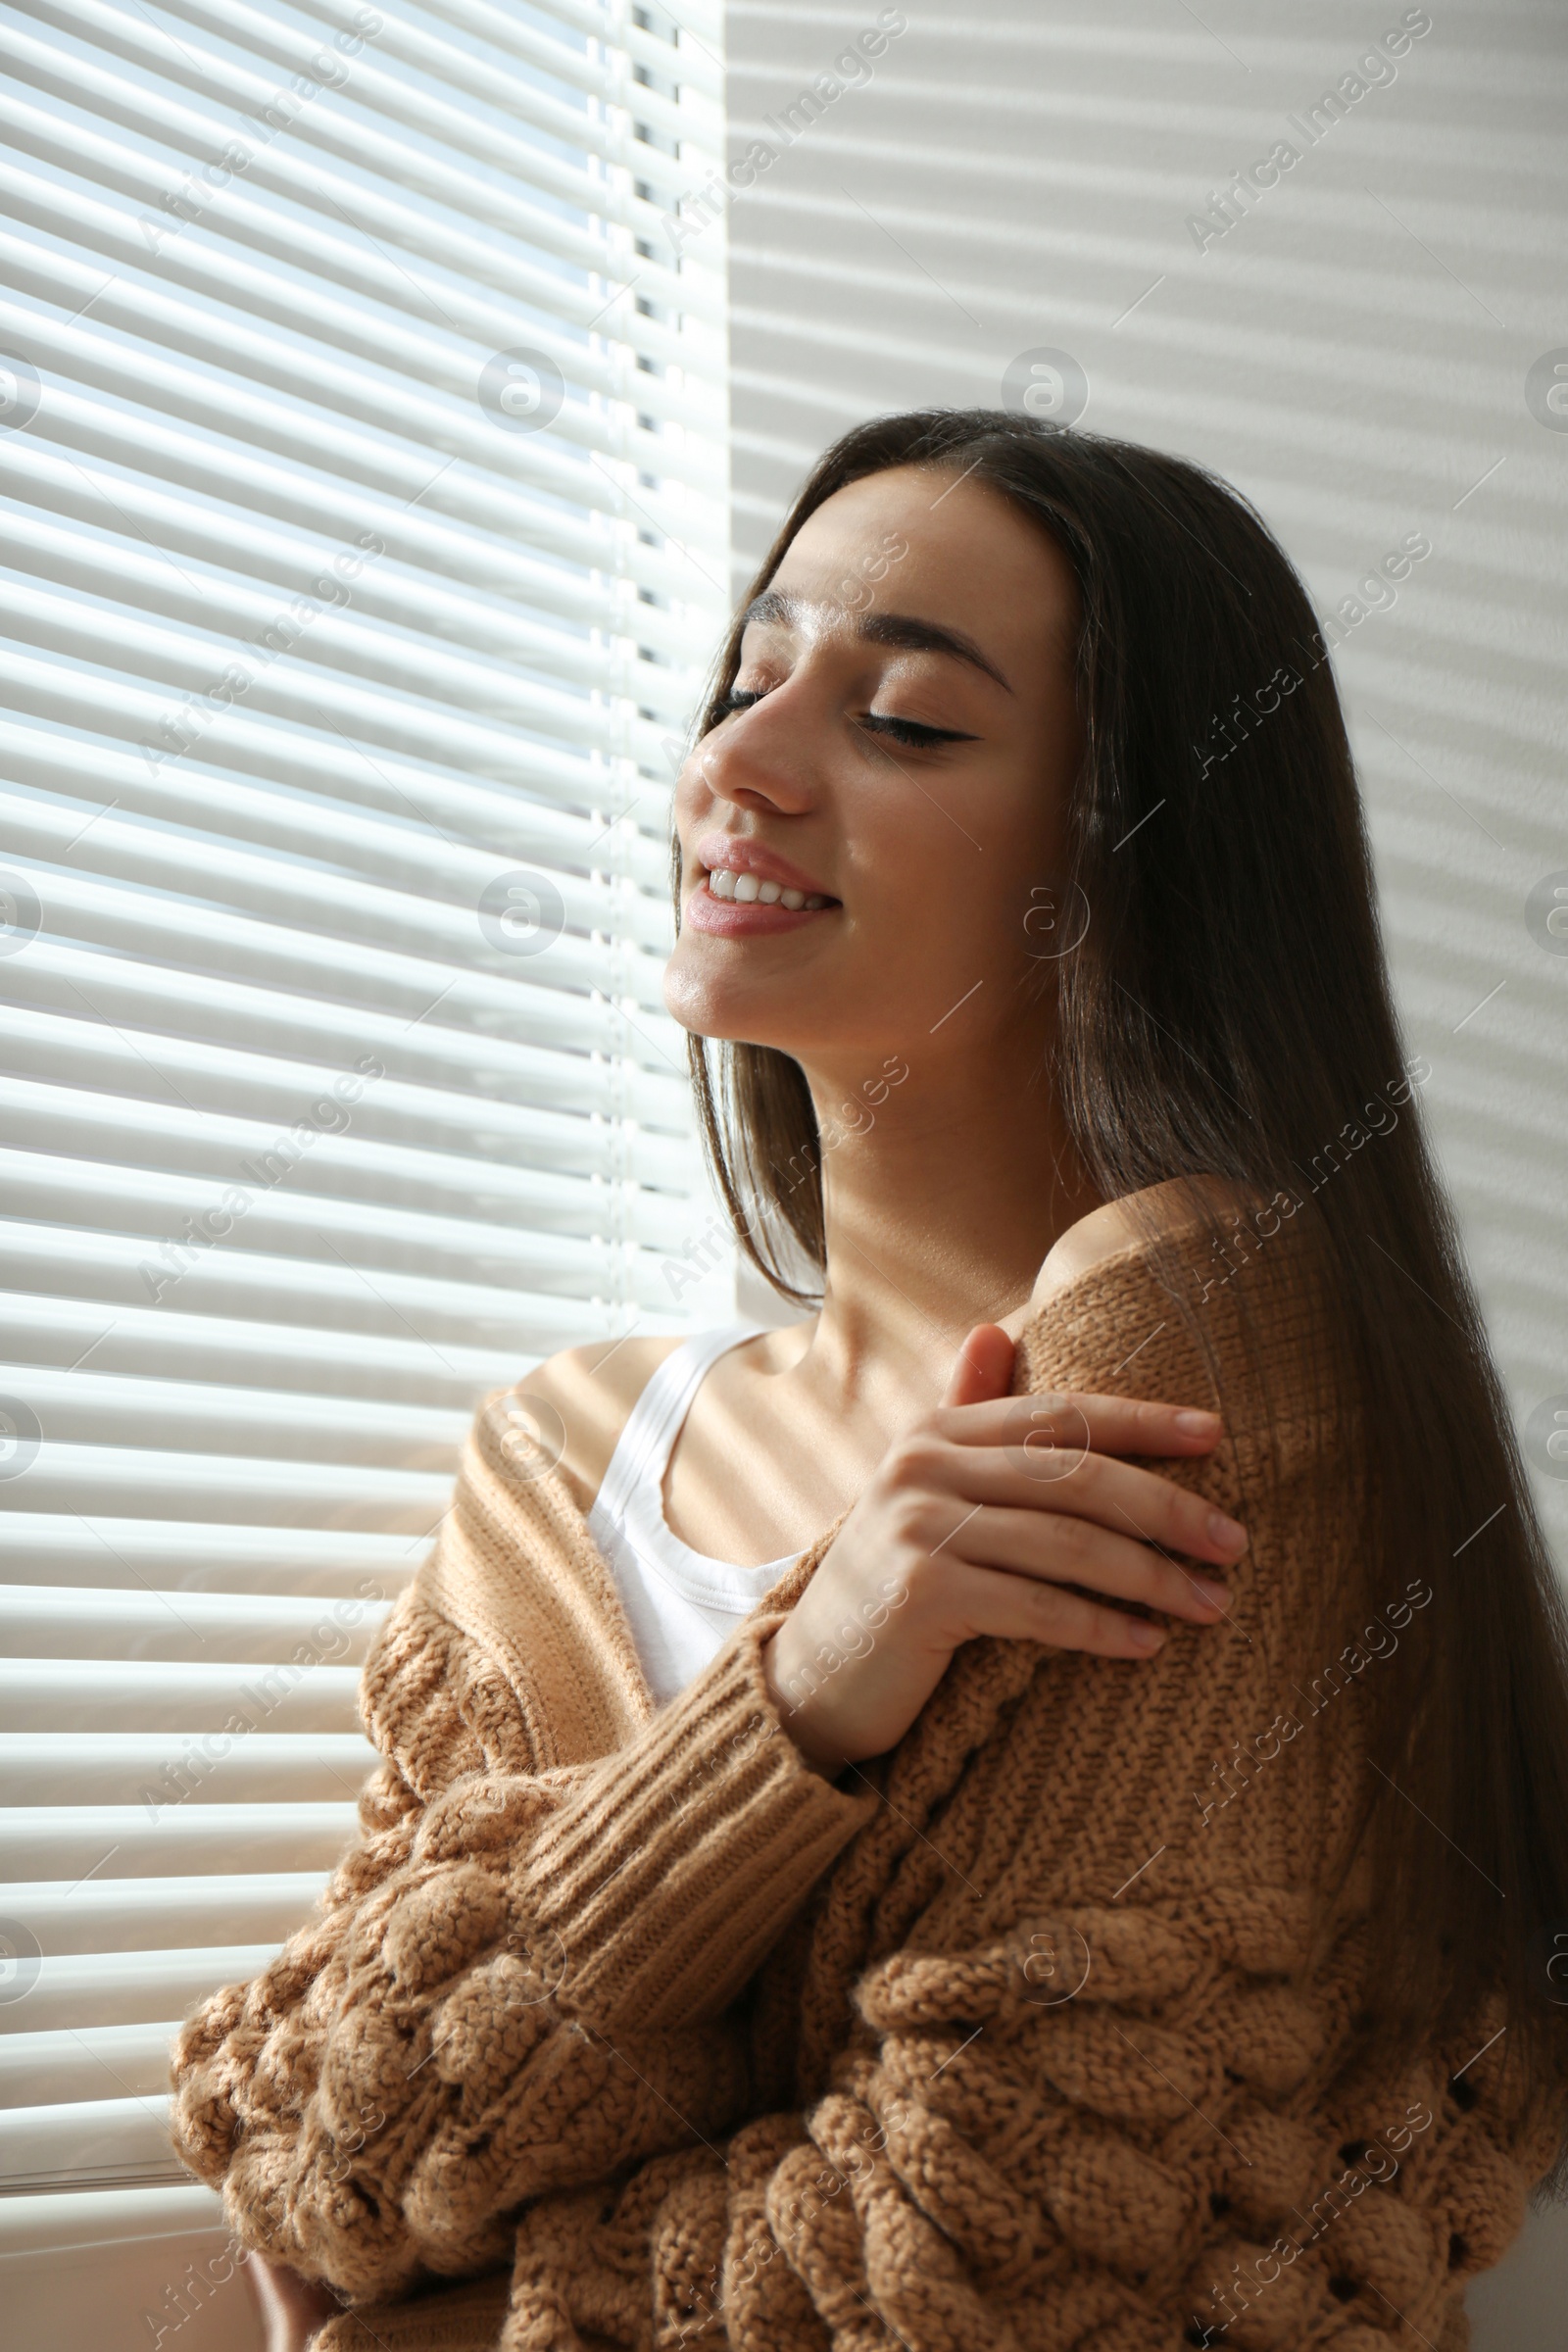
362, 439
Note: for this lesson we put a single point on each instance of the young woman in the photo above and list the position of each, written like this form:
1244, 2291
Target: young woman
1029, 1807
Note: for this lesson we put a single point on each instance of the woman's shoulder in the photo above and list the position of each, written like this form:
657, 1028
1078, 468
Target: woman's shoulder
584, 1396
512, 1622
1129, 1224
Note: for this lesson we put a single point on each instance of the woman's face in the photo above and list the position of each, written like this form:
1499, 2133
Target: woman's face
883, 808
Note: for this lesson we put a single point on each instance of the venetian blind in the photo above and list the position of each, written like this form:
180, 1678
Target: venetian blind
361, 439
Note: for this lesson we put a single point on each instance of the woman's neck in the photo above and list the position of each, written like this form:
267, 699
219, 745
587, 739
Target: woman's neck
938, 1214
939, 1207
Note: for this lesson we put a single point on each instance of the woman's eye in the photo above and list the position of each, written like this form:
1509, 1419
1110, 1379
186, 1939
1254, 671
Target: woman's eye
739, 698
910, 731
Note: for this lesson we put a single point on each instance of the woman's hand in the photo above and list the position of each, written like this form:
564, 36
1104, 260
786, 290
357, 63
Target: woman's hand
983, 1518
292, 2308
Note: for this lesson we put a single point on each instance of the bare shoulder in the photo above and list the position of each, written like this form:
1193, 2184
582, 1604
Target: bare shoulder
589, 1392
1128, 1223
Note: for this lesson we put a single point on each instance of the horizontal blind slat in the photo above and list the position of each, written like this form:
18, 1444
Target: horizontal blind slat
109, 1915
113, 1989
686, 62
75, 2221
387, 439
116, 1131
201, 1348
563, 59
487, 534
79, 1403
70, 694
301, 1695
258, 876
38, 2069
557, 1254
256, 1561
122, 1627
100, 2139
161, 1771
179, 613
119, 1271
70, 1841
138, 1194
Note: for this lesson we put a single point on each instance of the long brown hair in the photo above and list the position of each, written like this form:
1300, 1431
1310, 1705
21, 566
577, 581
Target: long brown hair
1227, 1012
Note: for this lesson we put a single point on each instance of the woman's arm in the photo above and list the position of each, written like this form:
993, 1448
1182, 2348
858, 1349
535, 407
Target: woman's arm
520, 1977
516, 1983
1014, 1517
1005, 1516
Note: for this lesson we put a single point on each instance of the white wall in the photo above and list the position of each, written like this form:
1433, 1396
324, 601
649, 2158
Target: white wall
1353, 354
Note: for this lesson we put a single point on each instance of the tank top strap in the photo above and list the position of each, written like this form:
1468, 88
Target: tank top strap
643, 1450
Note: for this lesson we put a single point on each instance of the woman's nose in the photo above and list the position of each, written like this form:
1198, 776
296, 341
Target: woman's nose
763, 757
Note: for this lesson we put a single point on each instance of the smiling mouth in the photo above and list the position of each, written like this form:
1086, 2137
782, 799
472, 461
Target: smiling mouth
745, 889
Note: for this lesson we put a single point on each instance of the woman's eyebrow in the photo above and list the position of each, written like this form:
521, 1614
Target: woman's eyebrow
902, 629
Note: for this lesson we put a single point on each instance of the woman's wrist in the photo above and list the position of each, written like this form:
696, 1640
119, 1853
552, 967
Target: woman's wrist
785, 1677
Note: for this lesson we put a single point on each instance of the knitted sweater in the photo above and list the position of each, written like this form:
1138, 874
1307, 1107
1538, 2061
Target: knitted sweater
1037, 2035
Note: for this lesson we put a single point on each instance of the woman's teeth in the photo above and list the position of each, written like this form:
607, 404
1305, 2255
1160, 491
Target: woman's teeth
744, 888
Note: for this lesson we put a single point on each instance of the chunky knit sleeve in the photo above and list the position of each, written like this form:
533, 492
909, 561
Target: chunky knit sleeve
1083, 2065
524, 1972
1109, 2131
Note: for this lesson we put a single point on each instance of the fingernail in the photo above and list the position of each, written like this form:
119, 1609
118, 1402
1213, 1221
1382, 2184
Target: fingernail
1226, 1530
1147, 1638
1197, 1425
1217, 1595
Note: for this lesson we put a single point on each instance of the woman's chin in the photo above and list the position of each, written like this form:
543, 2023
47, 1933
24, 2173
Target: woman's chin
708, 997
737, 1017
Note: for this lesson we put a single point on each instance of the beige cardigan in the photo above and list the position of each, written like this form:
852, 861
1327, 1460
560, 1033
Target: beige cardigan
1022, 2039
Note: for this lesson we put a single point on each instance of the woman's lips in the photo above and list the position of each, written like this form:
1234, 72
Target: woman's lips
745, 889
741, 919
743, 863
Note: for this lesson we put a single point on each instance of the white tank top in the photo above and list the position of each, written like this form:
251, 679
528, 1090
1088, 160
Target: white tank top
681, 1605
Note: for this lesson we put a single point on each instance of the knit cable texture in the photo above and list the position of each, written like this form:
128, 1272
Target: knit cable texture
1039, 2034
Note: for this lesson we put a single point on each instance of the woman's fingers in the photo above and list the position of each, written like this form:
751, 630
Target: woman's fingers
1044, 1547
995, 1514
1095, 1487
982, 1369
1074, 1420
1016, 1609
1119, 1494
